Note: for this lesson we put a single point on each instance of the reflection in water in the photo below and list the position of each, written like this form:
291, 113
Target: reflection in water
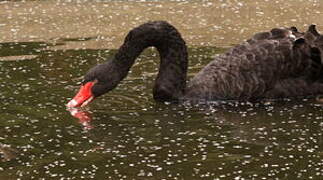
83, 116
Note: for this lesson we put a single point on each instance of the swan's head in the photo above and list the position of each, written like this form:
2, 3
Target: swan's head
99, 80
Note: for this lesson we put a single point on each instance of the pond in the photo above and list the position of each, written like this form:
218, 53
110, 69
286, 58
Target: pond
47, 46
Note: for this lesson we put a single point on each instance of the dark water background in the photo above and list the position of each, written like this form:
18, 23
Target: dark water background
130, 136
127, 135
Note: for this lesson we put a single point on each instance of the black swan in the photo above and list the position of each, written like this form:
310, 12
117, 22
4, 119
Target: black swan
276, 64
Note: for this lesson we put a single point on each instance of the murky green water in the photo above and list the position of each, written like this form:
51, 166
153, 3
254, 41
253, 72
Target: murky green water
129, 136
45, 49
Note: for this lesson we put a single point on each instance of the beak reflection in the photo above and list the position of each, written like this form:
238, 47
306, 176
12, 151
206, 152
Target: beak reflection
83, 116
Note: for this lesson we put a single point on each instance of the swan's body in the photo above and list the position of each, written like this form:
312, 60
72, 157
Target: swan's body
269, 65
274, 67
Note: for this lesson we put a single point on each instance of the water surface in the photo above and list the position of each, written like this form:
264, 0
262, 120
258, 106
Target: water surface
126, 134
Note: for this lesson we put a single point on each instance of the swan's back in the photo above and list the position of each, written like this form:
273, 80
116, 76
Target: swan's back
256, 68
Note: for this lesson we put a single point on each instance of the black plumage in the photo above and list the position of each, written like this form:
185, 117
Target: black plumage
276, 64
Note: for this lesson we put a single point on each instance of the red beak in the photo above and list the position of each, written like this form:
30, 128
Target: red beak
83, 97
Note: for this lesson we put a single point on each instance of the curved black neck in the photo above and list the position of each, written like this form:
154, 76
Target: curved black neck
171, 79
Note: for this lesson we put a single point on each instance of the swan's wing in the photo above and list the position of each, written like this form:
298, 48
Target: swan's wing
311, 34
249, 70
294, 88
274, 34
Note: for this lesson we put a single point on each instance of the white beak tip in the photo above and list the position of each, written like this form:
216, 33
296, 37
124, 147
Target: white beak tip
72, 103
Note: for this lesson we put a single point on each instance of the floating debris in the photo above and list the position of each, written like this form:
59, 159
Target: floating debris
18, 58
